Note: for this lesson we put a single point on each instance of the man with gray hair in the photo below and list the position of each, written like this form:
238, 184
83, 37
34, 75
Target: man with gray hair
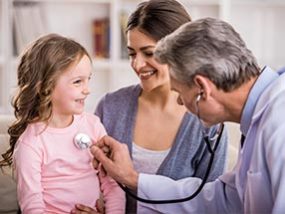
218, 79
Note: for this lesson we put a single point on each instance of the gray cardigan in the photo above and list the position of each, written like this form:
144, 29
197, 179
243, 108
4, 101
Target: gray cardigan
188, 156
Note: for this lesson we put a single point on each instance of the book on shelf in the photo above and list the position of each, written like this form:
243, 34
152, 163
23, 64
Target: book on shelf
101, 38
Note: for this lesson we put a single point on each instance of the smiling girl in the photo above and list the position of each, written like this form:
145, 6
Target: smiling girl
52, 173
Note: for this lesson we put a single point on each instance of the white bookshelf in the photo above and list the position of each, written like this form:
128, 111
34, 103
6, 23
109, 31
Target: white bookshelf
260, 23
71, 18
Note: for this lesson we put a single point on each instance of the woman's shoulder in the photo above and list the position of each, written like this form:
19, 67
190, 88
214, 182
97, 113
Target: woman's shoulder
123, 93
122, 97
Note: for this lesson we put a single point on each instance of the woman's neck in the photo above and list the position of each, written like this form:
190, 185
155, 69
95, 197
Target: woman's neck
161, 97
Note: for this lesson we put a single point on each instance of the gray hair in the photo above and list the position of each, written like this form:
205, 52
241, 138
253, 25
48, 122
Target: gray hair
208, 47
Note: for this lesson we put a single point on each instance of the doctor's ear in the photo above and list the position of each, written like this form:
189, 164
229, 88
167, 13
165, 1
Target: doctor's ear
198, 97
203, 84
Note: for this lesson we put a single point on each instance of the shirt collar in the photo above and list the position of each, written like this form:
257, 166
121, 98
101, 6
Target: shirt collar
266, 76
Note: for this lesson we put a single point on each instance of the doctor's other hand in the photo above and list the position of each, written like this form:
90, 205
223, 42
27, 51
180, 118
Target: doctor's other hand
115, 159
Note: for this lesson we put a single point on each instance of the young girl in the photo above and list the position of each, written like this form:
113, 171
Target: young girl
53, 173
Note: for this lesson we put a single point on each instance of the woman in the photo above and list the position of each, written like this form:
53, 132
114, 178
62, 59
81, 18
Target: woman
163, 138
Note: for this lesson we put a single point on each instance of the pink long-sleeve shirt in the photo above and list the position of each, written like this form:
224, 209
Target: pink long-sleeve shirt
53, 174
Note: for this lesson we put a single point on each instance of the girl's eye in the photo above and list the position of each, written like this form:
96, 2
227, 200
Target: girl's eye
77, 82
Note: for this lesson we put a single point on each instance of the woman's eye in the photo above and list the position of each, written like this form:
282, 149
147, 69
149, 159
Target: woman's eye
149, 54
131, 54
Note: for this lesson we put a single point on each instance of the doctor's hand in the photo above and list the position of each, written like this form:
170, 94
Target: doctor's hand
115, 159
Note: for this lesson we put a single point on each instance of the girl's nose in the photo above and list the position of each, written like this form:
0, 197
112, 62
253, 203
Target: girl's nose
86, 90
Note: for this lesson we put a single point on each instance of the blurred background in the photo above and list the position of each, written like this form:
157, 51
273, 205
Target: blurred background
99, 26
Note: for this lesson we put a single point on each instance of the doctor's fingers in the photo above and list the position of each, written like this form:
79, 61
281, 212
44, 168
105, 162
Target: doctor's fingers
101, 157
95, 164
108, 142
108, 145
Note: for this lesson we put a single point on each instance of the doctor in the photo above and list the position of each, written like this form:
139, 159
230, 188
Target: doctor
219, 80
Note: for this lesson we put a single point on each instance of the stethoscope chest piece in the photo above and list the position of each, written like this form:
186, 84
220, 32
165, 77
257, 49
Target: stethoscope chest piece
82, 141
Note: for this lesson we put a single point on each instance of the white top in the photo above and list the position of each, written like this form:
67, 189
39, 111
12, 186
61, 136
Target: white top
147, 161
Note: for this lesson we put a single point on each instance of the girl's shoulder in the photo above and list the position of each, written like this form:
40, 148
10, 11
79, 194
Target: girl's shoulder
32, 133
90, 124
34, 129
87, 117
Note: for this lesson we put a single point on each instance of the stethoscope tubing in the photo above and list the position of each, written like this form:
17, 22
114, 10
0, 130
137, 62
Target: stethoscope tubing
204, 180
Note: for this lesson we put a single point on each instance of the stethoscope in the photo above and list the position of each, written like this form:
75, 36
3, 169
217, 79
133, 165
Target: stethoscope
208, 140
211, 149
83, 141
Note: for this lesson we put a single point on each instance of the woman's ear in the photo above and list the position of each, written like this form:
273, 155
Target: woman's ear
204, 86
